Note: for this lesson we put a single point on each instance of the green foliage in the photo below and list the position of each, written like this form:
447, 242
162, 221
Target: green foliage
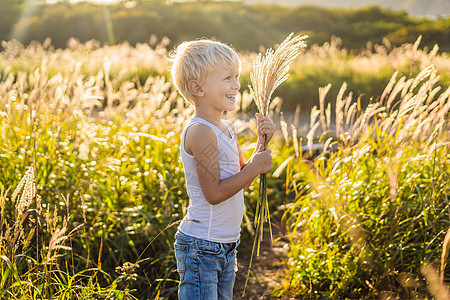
431, 32
413, 7
10, 12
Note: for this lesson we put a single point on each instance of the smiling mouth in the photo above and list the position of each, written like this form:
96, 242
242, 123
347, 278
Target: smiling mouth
231, 97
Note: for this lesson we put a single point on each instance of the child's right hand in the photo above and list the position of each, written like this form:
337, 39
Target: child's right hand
263, 160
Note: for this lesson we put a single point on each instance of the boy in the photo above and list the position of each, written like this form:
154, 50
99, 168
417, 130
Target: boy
206, 73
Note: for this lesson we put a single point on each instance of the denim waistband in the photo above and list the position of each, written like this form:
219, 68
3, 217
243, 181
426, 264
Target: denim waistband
190, 239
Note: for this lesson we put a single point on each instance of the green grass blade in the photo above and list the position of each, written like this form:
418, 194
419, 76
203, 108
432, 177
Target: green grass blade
255, 239
11, 268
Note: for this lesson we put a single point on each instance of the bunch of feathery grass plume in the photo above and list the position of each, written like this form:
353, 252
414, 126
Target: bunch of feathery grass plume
268, 73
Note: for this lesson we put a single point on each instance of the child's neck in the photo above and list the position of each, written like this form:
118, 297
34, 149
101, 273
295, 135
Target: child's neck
213, 117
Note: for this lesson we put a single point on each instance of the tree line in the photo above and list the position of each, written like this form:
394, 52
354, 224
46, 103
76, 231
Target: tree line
245, 26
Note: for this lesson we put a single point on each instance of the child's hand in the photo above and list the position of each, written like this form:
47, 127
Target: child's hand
265, 127
262, 160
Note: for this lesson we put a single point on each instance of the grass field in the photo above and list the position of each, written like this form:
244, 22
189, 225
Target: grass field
91, 183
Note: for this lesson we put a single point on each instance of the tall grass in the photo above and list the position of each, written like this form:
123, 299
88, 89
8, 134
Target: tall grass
33, 244
96, 130
96, 145
370, 214
366, 73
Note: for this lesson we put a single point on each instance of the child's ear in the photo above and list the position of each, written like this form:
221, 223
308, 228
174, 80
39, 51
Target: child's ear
195, 88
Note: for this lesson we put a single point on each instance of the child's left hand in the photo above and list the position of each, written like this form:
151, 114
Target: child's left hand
265, 127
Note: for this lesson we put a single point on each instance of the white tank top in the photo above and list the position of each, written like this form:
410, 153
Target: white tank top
221, 222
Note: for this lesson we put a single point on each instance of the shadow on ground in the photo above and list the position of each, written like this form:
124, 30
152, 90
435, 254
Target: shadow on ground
267, 269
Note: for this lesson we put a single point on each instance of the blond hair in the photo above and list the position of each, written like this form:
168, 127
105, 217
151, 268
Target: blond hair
197, 60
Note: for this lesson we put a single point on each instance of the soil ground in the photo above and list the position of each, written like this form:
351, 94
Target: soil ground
267, 269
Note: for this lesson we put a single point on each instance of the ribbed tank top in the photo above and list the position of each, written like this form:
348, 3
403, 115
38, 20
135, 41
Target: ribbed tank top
221, 222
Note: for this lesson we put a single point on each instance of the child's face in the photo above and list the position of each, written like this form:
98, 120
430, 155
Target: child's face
221, 88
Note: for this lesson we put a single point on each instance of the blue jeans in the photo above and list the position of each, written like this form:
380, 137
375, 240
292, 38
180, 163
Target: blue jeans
207, 269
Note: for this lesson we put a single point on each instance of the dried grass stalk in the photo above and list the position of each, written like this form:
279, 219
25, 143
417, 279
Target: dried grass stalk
271, 70
268, 73
27, 186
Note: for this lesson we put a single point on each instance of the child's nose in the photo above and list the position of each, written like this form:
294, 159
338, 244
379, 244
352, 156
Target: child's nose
237, 85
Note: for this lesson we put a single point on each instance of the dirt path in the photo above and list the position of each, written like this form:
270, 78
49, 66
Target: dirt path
267, 269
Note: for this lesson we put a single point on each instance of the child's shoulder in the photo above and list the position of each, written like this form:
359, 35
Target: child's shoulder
199, 129
199, 132
199, 137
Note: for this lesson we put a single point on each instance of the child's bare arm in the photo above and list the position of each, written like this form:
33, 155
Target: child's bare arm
243, 164
201, 142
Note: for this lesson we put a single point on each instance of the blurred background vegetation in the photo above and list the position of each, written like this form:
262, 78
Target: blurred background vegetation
233, 22
413, 7
355, 33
